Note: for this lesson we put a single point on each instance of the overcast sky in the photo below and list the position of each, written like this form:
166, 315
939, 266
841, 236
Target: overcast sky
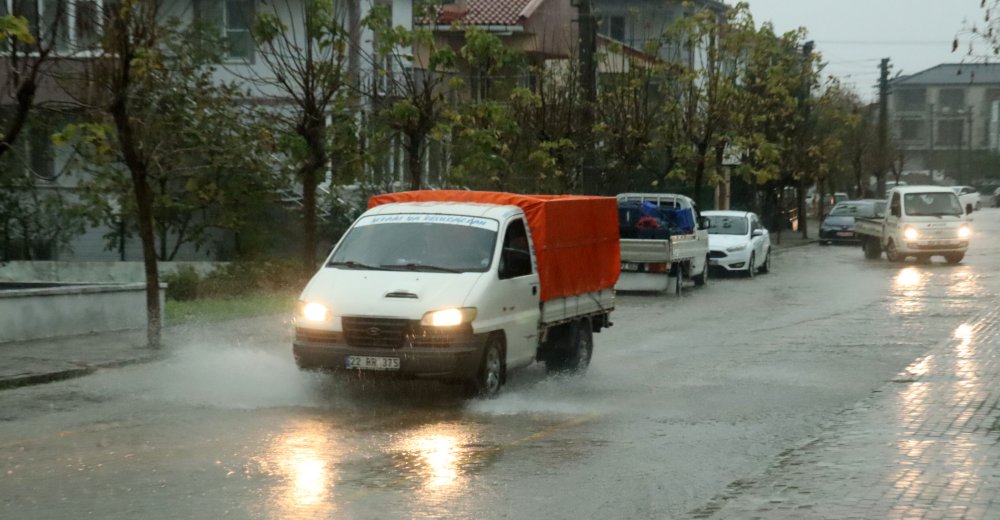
853, 35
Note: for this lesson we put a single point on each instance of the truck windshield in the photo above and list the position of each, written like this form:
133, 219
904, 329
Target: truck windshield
935, 204
418, 242
728, 225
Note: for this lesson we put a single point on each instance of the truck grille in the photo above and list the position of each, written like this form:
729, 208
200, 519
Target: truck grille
362, 332
316, 336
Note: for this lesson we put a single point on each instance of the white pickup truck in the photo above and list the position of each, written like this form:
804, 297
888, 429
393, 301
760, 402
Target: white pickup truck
656, 246
921, 221
463, 286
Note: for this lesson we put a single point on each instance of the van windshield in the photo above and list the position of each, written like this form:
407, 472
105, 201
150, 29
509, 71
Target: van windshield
936, 204
418, 242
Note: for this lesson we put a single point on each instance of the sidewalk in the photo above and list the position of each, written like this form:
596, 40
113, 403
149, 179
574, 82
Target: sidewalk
924, 446
791, 238
25, 363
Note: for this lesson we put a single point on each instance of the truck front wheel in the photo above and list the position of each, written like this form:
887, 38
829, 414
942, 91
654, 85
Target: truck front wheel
703, 277
489, 378
954, 258
892, 254
573, 349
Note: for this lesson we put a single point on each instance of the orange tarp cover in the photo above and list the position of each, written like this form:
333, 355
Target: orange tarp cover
575, 237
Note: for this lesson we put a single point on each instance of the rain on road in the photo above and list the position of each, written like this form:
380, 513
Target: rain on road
685, 396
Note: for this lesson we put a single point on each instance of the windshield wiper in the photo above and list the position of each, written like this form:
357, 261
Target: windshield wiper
420, 267
351, 264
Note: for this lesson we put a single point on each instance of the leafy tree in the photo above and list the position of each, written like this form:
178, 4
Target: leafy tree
628, 112
163, 139
410, 90
708, 49
310, 73
32, 222
772, 120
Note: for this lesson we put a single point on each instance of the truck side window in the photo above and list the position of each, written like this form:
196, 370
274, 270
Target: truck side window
515, 258
894, 207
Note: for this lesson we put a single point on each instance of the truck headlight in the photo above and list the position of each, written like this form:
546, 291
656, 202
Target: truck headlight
964, 232
314, 311
911, 233
448, 317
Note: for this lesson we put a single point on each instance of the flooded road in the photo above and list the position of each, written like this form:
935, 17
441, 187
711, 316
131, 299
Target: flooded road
686, 396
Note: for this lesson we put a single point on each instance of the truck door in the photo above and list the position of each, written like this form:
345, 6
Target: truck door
893, 218
517, 294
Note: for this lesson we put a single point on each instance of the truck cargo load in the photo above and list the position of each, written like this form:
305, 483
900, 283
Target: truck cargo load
575, 237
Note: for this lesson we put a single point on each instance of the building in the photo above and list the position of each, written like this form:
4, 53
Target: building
946, 120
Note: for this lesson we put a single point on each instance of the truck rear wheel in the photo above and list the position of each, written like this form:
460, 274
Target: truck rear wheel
573, 349
871, 248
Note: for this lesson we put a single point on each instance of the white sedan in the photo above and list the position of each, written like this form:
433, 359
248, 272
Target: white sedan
738, 242
968, 196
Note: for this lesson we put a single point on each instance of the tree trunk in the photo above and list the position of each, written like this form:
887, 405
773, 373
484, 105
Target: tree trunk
310, 180
144, 197
803, 216
413, 170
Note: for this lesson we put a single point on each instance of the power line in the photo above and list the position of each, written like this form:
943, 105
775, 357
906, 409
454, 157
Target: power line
885, 42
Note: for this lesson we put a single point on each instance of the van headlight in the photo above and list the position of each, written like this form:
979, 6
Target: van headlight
964, 232
911, 233
448, 317
314, 311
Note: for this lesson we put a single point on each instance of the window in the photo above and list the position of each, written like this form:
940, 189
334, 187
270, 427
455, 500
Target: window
65, 25
515, 259
911, 129
234, 19
911, 99
40, 153
616, 28
950, 132
951, 100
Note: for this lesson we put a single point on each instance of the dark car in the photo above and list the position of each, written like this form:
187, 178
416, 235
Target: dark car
838, 225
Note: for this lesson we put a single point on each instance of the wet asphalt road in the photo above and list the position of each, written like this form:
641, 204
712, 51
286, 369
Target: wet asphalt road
685, 396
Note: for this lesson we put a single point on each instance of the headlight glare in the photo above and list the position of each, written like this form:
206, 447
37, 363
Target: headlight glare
315, 312
448, 317
964, 232
911, 233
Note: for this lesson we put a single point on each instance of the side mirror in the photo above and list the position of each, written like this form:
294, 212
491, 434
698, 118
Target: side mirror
704, 223
968, 210
757, 233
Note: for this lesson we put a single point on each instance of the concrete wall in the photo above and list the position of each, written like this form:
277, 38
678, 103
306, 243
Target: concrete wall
91, 272
50, 312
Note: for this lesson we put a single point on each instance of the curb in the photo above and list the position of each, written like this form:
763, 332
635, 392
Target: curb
71, 373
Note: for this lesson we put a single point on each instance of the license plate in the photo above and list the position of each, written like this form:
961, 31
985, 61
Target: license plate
372, 363
940, 243
845, 234
629, 266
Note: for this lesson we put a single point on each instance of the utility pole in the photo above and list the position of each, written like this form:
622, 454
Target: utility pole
805, 133
883, 126
968, 159
588, 81
930, 142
